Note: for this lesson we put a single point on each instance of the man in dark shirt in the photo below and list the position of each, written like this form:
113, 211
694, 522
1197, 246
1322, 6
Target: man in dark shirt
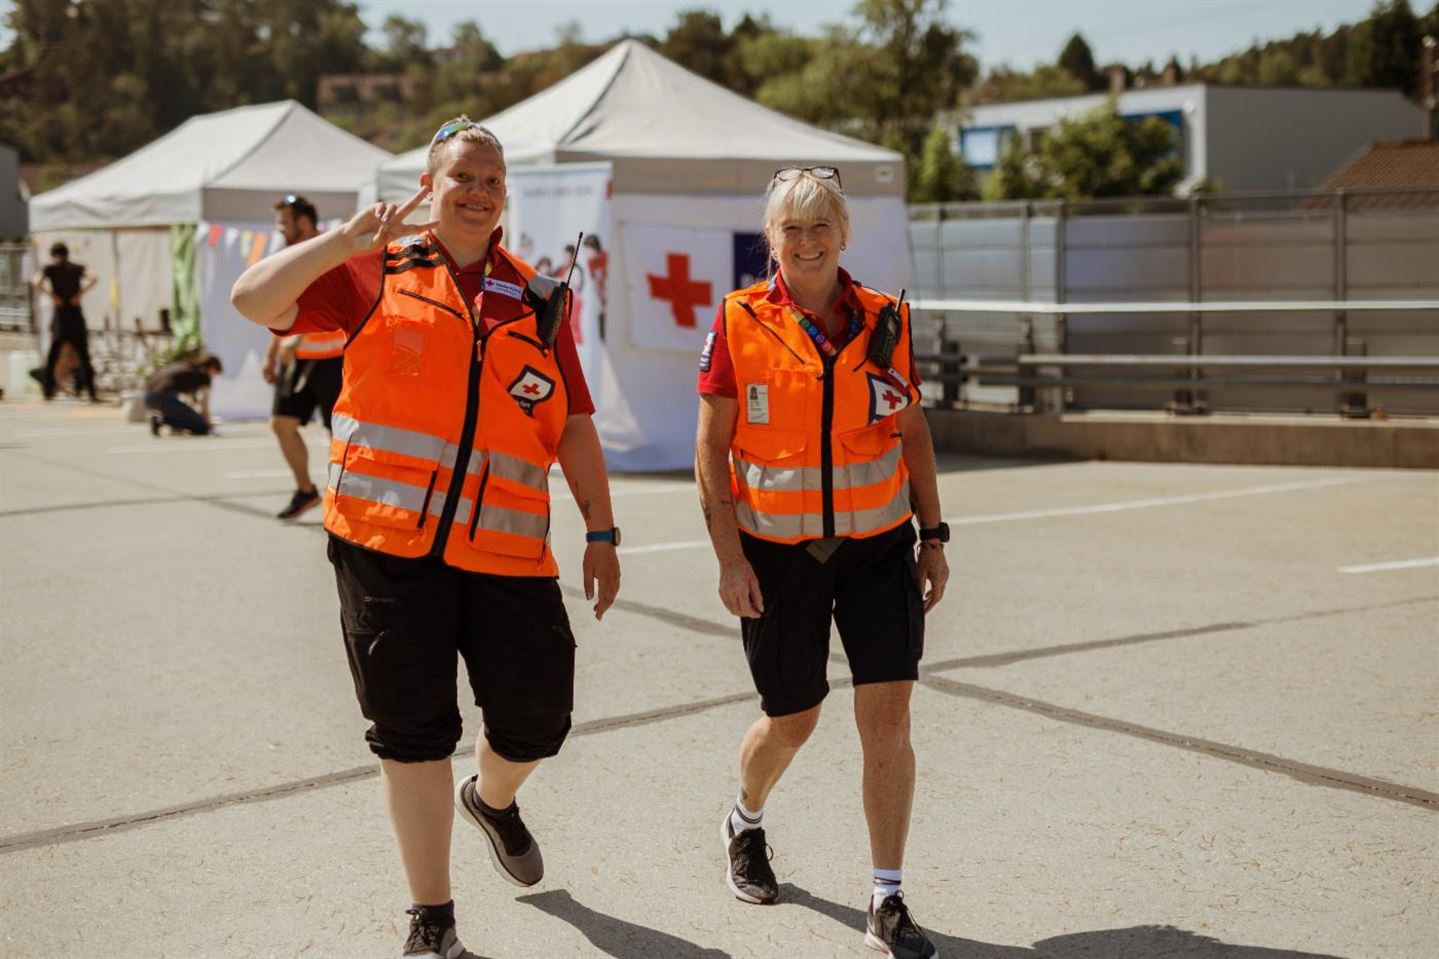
65, 283
162, 395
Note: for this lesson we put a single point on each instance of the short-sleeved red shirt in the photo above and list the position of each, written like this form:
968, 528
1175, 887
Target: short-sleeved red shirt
343, 297
717, 370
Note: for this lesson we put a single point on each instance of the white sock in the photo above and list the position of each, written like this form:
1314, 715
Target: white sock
886, 883
742, 820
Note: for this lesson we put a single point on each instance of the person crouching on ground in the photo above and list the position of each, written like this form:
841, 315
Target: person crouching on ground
192, 377
455, 402
818, 411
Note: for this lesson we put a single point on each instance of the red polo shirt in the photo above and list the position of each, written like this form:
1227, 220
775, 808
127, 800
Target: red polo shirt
717, 370
342, 298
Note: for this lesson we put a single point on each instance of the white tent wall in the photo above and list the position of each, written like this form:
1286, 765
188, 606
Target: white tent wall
647, 418
138, 258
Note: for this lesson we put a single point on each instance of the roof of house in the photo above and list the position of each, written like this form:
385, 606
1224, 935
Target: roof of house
1391, 165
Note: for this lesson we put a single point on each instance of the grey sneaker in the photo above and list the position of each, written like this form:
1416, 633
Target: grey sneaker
513, 850
748, 873
430, 941
891, 930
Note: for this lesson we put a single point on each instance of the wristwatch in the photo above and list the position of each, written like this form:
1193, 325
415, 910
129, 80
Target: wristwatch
938, 533
611, 535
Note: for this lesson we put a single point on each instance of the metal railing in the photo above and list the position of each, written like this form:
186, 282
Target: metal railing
1046, 381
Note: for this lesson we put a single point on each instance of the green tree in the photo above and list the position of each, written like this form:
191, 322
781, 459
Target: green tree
1385, 51
906, 63
1098, 155
698, 42
941, 176
1078, 61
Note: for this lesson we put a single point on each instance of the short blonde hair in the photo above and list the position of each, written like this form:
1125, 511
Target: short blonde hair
474, 133
806, 198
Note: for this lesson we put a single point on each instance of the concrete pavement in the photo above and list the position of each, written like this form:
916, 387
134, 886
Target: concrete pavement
1157, 719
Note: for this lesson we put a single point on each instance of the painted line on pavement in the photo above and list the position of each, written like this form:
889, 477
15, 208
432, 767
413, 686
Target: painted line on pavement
1154, 502
1396, 564
1303, 772
1093, 509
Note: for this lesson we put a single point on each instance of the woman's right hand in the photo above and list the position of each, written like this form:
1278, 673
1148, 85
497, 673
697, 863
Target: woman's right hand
377, 225
739, 589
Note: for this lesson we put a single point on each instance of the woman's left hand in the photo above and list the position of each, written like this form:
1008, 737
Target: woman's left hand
933, 573
603, 565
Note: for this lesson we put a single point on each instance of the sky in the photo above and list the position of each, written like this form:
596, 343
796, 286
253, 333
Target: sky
1020, 33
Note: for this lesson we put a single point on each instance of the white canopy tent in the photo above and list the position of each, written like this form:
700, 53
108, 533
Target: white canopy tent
220, 168
687, 158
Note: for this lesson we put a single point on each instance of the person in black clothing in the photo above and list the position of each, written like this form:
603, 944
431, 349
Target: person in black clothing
65, 283
162, 395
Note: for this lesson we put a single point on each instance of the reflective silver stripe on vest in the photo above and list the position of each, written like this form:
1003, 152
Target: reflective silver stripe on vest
518, 470
502, 520
798, 478
393, 439
375, 489
805, 525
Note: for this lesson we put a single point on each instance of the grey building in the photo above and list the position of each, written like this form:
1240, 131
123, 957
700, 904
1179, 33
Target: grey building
1247, 138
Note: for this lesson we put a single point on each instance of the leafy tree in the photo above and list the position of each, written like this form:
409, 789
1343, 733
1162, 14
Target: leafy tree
1098, 155
1078, 61
1386, 48
698, 42
941, 176
906, 64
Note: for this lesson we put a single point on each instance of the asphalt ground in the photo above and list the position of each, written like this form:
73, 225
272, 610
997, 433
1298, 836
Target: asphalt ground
1166, 711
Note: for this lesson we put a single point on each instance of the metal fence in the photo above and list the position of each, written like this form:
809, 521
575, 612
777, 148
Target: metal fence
15, 292
1280, 252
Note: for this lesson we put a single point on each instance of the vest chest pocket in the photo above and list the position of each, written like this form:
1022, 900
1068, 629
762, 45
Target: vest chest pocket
407, 347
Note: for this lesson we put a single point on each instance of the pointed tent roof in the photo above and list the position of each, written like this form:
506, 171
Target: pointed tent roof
270, 149
634, 107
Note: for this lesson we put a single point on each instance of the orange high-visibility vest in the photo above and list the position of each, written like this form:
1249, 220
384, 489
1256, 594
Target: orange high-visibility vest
321, 346
444, 434
816, 448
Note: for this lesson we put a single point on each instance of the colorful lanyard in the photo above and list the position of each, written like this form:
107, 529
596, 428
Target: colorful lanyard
822, 342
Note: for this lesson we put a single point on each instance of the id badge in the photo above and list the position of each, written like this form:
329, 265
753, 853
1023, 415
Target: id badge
757, 404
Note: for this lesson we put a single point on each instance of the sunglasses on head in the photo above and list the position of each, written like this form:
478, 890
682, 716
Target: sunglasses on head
456, 126
785, 174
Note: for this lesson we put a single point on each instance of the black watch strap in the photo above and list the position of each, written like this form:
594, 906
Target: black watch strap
940, 532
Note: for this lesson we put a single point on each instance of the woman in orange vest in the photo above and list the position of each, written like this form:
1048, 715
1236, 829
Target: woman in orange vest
461, 389
814, 460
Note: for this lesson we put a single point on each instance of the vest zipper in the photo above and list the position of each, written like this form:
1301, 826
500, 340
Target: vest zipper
444, 306
467, 432
826, 448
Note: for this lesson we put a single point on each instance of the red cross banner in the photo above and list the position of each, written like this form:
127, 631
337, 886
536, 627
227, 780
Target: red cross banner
676, 278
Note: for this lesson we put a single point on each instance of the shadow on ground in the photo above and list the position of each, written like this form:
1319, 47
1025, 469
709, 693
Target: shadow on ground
627, 940
616, 937
1136, 942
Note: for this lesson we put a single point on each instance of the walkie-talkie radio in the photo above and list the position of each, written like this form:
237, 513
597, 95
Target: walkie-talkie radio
885, 337
550, 300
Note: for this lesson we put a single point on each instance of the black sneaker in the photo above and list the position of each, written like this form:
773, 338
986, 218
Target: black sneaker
891, 930
155, 423
513, 850
748, 875
428, 940
300, 502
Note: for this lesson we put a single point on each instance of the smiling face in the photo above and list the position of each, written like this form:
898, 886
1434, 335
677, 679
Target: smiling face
467, 191
807, 250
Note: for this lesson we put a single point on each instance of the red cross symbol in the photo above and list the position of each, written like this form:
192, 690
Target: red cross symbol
892, 399
683, 293
534, 388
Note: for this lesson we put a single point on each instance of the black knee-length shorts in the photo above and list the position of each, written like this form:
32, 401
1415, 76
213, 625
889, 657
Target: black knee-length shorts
407, 622
869, 590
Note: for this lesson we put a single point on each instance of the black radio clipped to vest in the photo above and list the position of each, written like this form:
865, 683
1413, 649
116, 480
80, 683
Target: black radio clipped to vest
550, 300
885, 338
